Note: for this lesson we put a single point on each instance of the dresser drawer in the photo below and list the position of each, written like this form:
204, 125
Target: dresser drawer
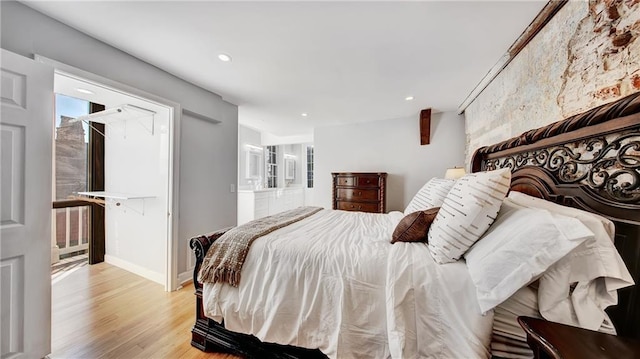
359, 191
368, 181
354, 194
345, 181
357, 206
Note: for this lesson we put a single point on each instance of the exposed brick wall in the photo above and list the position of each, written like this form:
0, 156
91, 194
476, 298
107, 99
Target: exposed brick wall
587, 55
604, 57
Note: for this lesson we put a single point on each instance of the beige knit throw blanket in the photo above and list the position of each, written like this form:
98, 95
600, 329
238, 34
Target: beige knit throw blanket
225, 257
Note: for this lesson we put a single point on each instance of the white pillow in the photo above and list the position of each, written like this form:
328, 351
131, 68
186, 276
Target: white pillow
525, 200
468, 210
521, 245
431, 195
595, 265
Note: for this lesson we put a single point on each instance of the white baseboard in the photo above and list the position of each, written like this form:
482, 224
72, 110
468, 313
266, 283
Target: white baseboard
134, 268
185, 277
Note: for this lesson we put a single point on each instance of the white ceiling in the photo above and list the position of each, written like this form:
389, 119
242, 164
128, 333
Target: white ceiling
340, 62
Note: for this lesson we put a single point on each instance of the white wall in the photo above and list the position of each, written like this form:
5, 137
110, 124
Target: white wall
136, 162
28, 32
391, 146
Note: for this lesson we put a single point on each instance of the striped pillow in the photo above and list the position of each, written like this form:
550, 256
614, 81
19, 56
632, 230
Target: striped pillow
467, 212
431, 195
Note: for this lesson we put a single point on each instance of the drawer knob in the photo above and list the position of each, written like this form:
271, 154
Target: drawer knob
359, 207
368, 181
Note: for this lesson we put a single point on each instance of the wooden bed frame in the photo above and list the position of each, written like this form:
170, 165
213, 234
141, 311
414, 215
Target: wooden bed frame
590, 161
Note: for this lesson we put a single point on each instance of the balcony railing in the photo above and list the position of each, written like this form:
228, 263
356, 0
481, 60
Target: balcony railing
70, 232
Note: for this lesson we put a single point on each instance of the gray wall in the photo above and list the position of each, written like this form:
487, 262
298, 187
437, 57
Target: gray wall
391, 146
203, 145
207, 169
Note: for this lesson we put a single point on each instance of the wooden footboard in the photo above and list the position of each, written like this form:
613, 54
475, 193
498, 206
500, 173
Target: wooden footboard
200, 245
211, 336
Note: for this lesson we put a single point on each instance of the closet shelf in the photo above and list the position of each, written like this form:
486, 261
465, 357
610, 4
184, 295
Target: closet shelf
122, 113
114, 195
137, 206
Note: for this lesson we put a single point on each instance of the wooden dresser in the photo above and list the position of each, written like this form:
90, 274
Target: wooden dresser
364, 192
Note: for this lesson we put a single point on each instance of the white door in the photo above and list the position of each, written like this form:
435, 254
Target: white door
26, 127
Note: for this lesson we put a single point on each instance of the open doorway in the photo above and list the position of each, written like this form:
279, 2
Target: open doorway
113, 171
130, 154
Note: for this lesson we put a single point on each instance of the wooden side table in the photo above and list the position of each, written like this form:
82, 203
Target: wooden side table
555, 340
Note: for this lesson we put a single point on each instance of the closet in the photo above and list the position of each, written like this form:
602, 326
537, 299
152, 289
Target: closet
137, 186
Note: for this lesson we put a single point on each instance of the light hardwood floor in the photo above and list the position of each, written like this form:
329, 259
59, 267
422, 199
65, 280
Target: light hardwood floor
102, 311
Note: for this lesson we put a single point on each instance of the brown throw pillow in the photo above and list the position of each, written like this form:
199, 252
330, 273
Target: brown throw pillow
414, 226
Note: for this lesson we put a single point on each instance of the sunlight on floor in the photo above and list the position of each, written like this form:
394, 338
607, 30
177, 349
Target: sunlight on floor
66, 266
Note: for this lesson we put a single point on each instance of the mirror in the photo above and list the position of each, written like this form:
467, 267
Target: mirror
289, 169
253, 164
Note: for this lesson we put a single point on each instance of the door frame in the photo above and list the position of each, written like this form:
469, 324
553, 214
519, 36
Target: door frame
175, 109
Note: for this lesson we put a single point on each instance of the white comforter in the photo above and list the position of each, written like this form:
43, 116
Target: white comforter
334, 282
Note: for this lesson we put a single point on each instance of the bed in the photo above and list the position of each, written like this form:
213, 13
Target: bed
590, 161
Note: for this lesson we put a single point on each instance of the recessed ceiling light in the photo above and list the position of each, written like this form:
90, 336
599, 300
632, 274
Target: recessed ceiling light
224, 57
84, 91
408, 98
304, 114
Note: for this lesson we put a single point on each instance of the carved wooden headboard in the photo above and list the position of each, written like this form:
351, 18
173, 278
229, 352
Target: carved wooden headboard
590, 161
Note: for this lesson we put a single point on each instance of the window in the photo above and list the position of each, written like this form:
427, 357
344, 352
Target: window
71, 144
78, 166
309, 166
271, 154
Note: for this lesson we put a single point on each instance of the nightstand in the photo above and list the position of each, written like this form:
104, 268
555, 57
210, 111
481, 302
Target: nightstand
554, 340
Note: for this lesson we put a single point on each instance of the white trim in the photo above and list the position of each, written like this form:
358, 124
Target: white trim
171, 283
55, 253
134, 268
170, 280
486, 80
190, 256
539, 22
185, 277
